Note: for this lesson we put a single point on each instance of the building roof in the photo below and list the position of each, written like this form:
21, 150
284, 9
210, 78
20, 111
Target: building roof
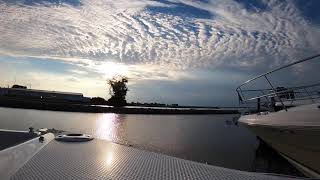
44, 91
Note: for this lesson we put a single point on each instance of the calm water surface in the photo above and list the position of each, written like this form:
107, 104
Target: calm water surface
203, 138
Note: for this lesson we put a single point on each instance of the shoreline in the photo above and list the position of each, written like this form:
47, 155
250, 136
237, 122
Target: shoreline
73, 107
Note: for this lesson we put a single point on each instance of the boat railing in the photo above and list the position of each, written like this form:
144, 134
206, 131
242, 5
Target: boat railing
274, 95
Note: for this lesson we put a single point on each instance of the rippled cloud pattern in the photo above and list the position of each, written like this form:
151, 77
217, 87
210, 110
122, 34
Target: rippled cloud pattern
177, 34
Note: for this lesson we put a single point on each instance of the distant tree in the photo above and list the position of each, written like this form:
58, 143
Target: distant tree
98, 100
118, 90
19, 86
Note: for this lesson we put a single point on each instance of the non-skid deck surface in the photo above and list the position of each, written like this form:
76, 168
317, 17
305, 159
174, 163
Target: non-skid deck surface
100, 159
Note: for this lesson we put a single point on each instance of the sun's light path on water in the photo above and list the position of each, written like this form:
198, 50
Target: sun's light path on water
106, 126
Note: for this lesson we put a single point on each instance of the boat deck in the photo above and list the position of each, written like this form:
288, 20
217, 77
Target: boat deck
99, 159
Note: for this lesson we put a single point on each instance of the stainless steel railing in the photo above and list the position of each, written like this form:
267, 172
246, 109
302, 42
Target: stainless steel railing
279, 94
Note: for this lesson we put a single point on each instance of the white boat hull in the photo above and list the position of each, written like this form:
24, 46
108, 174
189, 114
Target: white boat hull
295, 134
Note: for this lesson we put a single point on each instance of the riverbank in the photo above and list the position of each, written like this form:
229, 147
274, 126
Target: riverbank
73, 107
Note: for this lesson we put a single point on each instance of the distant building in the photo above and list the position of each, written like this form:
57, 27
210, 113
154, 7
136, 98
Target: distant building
43, 94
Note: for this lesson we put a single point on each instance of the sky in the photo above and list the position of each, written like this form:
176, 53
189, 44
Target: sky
190, 52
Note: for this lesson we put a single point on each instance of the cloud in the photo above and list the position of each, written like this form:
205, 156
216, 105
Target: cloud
236, 35
79, 72
73, 79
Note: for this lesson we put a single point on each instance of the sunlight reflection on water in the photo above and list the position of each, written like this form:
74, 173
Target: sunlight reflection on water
105, 126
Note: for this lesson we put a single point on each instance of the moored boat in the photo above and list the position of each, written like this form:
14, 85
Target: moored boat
288, 119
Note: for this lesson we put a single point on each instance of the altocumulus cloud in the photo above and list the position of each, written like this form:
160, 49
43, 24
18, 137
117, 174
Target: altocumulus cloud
171, 33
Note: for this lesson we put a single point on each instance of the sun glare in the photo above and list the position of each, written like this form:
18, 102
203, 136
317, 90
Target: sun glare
111, 69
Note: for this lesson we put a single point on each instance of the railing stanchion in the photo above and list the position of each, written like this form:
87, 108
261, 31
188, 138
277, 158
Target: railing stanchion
258, 105
243, 97
274, 90
265, 97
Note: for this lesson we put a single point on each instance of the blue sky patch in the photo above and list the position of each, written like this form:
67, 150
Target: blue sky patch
254, 5
309, 9
179, 9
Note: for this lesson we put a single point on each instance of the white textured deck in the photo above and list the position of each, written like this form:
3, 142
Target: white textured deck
100, 159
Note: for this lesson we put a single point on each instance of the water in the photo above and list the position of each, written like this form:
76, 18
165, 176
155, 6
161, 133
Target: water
211, 139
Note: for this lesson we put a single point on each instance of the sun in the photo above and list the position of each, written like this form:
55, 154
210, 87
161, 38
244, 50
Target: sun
110, 69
